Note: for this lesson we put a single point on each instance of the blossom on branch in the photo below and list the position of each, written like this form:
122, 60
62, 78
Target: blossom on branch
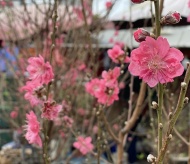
112, 75
14, 114
32, 93
51, 110
94, 86
155, 62
84, 145
39, 71
106, 90
140, 35
108, 4
118, 55
173, 17
33, 129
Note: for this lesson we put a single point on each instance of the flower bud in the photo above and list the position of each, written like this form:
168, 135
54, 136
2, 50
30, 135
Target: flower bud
140, 35
173, 17
108, 4
170, 137
137, 1
154, 105
151, 158
183, 85
186, 100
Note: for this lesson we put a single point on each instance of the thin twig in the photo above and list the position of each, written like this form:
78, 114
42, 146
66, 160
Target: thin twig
176, 114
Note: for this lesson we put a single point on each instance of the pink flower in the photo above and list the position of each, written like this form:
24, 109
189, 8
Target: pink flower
94, 86
155, 62
32, 93
40, 71
82, 67
140, 35
173, 17
137, 1
117, 54
108, 93
108, 4
51, 110
81, 111
83, 144
14, 114
112, 75
69, 121
105, 90
33, 129
3, 3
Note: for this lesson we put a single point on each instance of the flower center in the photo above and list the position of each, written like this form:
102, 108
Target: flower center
109, 91
34, 128
155, 64
121, 58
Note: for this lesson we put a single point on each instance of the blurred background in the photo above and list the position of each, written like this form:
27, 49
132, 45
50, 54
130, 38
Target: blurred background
86, 30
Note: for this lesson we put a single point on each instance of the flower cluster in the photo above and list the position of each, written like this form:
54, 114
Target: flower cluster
40, 74
51, 110
106, 90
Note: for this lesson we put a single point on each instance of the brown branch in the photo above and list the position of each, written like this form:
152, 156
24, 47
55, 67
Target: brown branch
176, 114
130, 124
176, 131
109, 129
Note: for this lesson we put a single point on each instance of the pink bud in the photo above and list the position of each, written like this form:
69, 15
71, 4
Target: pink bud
95, 129
108, 4
140, 35
173, 17
3, 3
14, 114
137, 1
